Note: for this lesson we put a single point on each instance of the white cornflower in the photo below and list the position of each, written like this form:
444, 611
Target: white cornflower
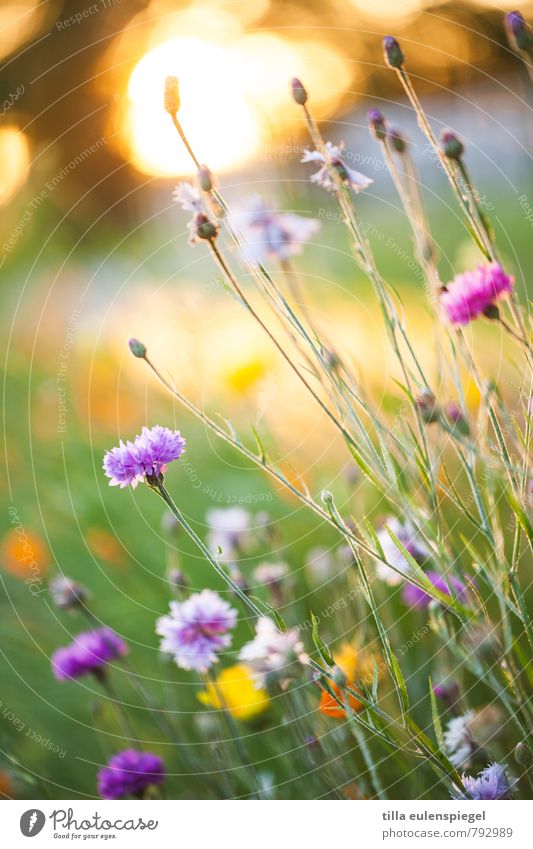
273, 652
270, 573
458, 739
349, 176
410, 540
229, 530
271, 234
320, 563
188, 197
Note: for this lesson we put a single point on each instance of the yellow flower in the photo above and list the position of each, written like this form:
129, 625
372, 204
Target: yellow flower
235, 690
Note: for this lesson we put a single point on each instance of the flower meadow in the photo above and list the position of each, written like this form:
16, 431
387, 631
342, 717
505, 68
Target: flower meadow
395, 661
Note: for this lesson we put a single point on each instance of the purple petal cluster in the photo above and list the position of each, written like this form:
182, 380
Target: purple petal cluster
148, 454
415, 597
491, 783
470, 294
128, 773
271, 234
89, 652
348, 176
197, 630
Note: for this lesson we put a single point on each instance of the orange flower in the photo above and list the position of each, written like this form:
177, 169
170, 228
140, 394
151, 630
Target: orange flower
357, 665
24, 554
105, 546
329, 707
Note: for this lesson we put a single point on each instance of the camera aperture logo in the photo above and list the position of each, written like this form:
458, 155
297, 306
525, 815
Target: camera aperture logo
32, 822
66, 825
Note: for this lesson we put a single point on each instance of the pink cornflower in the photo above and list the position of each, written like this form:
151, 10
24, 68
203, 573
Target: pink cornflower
147, 456
271, 234
473, 293
349, 176
197, 629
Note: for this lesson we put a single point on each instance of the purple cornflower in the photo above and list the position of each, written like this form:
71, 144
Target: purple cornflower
270, 234
411, 541
349, 176
128, 773
89, 652
415, 597
491, 783
197, 629
147, 456
473, 293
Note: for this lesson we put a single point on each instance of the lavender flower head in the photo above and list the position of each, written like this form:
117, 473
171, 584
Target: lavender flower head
272, 653
229, 530
349, 176
270, 234
411, 541
128, 773
415, 597
491, 783
473, 293
89, 652
147, 456
197, 630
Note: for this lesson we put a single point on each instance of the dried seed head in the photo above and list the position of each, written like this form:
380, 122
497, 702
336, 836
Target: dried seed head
519, 32
137, 348
299, 94
452, 145
376, 124
392, 52
172, 95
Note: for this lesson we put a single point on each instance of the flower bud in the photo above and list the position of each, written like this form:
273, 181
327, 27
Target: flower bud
455, 416
338, 677
66, 593
451, 145
393, 52
397, 140
205, 229
427, 404
299, 94
178, 579
523, 754
376, 124
172, 95
519, 32
205, 178
137, 348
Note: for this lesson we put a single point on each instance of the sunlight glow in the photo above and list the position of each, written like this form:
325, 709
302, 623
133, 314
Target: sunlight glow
234, 96
14, 162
